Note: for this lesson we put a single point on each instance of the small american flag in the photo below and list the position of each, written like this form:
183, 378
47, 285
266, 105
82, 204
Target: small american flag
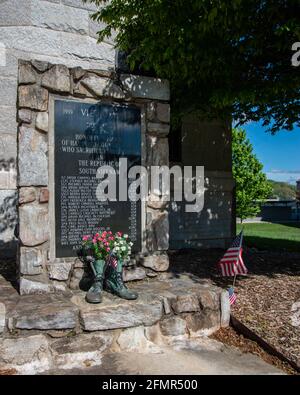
232, 262
232, 296
112, 261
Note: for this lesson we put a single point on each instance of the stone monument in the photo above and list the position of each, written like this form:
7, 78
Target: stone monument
71, 121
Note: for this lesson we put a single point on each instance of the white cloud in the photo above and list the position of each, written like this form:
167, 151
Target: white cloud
290, 176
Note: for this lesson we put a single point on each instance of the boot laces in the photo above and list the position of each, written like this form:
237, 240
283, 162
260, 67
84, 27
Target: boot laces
119, 278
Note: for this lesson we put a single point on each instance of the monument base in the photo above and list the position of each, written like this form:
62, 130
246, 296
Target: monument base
66, 332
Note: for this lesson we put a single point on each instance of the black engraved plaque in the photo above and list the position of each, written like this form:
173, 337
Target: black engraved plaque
87, 136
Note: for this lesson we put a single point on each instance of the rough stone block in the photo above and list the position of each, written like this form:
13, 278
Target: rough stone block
157, 151
161, 229
33, 161
28, 355
134, 340
72, 353
158, 112
57, 79
44, 195
27, 195
209, 299
34, 225
203, 323
42, 121
102, 86
34, 97
159, 129
55, 315
2, 317
158, 263
225, 309
145, 87
173, 326
31, 287
134, 274
40, 65
77, 73
76, 277
27, 74
145, 311
60, 271
25, 115
186, 303
31, 261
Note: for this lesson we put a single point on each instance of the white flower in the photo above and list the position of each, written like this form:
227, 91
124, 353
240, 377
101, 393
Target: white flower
131, 244
123, 248
125, 236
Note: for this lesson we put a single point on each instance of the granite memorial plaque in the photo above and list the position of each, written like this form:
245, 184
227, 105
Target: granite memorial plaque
87, 136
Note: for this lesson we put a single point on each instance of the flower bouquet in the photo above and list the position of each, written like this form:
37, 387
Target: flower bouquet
99, 246
122, 246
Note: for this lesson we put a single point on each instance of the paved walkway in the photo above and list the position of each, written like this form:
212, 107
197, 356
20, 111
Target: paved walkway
183, 357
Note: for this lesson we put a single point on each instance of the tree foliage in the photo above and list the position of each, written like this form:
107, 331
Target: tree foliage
283, 190
222, 57
252, 186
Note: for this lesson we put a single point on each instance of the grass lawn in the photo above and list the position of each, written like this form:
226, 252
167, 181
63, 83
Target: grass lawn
266, 236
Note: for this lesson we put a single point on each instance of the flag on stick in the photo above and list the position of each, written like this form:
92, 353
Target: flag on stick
232, 295
232, 262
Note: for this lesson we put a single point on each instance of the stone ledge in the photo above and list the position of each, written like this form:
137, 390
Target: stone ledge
181, 307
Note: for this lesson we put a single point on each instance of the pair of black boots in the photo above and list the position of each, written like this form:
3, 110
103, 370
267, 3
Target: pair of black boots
108, 276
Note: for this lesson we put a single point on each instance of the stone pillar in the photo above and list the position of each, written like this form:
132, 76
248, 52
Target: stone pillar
39, 271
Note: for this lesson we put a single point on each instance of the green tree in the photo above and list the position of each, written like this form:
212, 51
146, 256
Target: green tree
222, 57
252, 185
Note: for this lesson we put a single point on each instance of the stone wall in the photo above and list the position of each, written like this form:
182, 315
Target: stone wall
57, 31
38, 82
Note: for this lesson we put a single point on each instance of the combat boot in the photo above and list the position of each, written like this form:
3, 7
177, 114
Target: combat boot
113, 282
94, 295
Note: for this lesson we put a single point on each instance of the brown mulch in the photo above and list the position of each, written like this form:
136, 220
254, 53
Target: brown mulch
230, 337
8, 372
264, 297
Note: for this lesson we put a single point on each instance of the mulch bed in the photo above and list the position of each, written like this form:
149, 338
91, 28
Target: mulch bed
230, 337
264, 297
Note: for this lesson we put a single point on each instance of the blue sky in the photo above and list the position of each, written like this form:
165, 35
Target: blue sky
280, 154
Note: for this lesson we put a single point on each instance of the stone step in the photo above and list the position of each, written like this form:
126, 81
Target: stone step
201, 305
44, 332
43, 312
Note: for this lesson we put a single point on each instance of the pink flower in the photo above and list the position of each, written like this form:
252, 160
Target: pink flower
119, 234
94, 241
85, 238
107, 249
